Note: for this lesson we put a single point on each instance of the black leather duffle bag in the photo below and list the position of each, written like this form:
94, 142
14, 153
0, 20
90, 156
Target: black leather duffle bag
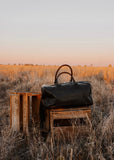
70, 94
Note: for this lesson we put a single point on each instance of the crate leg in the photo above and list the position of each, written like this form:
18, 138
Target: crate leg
15, 112
28, 110
10, 110
21, 112
25, 113
51, 130
36, 108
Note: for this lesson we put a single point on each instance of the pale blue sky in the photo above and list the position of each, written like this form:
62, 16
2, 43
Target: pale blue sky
57, 31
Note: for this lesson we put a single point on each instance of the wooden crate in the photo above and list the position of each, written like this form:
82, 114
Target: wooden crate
20, 105
80, 115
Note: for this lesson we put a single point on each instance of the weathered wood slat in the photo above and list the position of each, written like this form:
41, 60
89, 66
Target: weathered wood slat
15, 112
10, 110
36, 107
70, 109
25, 113
69, 114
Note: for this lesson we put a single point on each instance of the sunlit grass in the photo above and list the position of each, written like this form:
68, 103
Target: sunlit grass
97, 146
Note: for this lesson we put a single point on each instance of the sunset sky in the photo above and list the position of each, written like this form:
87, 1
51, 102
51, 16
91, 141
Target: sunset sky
77, 32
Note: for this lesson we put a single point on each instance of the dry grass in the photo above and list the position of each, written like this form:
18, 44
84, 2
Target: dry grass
99, 145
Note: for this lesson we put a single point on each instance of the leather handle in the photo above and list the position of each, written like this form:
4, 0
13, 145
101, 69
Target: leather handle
57, 75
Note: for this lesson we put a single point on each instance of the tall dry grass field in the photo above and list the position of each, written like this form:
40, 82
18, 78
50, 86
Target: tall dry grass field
98, 145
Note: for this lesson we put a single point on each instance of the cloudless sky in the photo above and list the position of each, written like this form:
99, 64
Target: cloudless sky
57, 32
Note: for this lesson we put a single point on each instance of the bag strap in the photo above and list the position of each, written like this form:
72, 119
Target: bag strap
57, 75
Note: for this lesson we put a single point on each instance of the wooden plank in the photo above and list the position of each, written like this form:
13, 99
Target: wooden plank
21, 112
15, 112
25, 113
69, 114
47, 120
70, 109
36, 108
28, 109
10, 110
52, 130
28, 93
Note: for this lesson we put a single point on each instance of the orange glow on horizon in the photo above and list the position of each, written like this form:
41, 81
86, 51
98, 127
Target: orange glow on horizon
55, 56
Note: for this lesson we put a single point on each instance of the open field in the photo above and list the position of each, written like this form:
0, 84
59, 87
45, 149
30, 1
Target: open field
99, 145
